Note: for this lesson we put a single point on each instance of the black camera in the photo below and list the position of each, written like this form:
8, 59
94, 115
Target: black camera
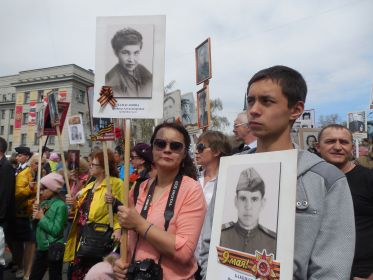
145, 269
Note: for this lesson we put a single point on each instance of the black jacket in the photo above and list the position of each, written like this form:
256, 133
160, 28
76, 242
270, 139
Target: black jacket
7, 191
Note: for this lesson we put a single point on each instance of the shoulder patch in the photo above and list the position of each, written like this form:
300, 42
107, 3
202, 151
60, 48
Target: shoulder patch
227, 225
268, 231
329, 172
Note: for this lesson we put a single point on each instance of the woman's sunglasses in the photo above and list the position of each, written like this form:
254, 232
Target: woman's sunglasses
175, 146
200, 147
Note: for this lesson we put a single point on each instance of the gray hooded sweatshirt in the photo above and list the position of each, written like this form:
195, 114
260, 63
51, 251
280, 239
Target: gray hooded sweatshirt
324, 224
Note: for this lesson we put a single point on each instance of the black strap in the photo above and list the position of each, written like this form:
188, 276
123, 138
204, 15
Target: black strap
169, 211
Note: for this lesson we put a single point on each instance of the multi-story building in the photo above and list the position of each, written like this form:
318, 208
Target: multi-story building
25, 92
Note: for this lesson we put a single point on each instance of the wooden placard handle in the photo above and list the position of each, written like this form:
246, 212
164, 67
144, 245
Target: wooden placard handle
124, 237
39, 170
107, 178
63, 160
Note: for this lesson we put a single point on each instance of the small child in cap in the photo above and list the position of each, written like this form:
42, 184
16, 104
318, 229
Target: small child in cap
51, 217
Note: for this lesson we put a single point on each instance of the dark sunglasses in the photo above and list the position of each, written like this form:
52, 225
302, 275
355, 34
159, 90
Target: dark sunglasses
200, 147
161, 144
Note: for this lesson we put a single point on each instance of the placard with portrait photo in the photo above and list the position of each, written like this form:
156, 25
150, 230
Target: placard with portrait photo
357, 122
73, 159
308, 138
253, 227
103, 129
129, 67
188, 109
53, 108
203, 61
76, 130
203, 107
172, 106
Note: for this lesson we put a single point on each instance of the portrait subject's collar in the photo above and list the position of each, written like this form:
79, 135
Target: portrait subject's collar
244, 232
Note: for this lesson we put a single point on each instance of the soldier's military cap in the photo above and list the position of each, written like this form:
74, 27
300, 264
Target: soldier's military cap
250, 180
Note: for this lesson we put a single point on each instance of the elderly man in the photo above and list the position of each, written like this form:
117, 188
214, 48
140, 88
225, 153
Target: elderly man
243, 133
335, 146
247, 235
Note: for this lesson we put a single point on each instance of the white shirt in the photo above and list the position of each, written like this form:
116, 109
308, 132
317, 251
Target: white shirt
208, 189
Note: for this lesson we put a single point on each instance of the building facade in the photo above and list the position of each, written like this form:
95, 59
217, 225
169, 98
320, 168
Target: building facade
22, 96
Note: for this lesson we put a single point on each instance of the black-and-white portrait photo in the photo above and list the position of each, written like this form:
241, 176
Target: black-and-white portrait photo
73, 159
188, 110
203, 61
75, 133
357, 122
246, 232
53, 108
203, 107
131, 61
76, 130
171, 106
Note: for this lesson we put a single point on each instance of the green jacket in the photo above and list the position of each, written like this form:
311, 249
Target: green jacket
50, 227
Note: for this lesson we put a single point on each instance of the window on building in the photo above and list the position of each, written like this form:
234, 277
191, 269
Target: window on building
36, 139
51, 140
80, 96
24, 118
13, 97
27, 97
2, 130
10, 146
10, 129
23, 139
11, 113
2, 114
4, 97
40, 96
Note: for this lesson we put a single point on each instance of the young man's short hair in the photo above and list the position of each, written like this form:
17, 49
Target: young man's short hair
291, 82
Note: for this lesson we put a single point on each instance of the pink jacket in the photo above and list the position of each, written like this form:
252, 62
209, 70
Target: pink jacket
189, 213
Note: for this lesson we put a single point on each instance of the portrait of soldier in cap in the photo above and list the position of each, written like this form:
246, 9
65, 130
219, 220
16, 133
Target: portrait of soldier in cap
246, 234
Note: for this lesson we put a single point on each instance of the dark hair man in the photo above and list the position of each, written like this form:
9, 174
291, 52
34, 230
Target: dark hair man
247, 235
169, 109
243, 133
128, 78
7, 188
335, 146
324, 223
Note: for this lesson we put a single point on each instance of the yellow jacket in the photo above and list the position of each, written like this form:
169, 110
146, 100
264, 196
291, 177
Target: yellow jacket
98, 212
24, 195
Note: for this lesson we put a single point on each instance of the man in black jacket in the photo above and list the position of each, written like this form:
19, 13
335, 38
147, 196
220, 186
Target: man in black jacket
7, 189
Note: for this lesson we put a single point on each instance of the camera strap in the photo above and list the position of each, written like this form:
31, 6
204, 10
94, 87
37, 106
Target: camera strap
169, 210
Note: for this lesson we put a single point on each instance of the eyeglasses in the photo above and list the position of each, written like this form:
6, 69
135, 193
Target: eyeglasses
200, 147
175, 146
95, 164
238, 124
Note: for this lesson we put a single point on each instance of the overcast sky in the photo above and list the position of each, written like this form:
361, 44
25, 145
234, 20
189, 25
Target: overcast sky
329, 42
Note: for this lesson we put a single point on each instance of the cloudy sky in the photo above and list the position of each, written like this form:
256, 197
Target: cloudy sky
329, 42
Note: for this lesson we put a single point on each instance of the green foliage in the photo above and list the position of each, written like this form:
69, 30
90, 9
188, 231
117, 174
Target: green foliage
217, 122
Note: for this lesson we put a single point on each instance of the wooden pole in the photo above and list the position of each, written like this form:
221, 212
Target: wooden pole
39, 170
124, 239
107, 177
63, 159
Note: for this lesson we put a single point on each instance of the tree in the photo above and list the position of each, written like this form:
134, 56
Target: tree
217, 122
325, 120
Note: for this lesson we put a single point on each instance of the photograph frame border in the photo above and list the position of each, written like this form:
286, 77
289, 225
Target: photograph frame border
131, 108
286, 214
301, 136
207, 41
206, 89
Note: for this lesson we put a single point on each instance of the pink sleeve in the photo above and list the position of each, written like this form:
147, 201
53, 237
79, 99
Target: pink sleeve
189, 222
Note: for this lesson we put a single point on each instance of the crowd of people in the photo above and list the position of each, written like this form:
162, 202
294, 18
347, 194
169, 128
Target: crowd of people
172, 199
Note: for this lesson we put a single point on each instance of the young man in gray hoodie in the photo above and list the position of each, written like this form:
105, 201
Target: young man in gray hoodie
324, 225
